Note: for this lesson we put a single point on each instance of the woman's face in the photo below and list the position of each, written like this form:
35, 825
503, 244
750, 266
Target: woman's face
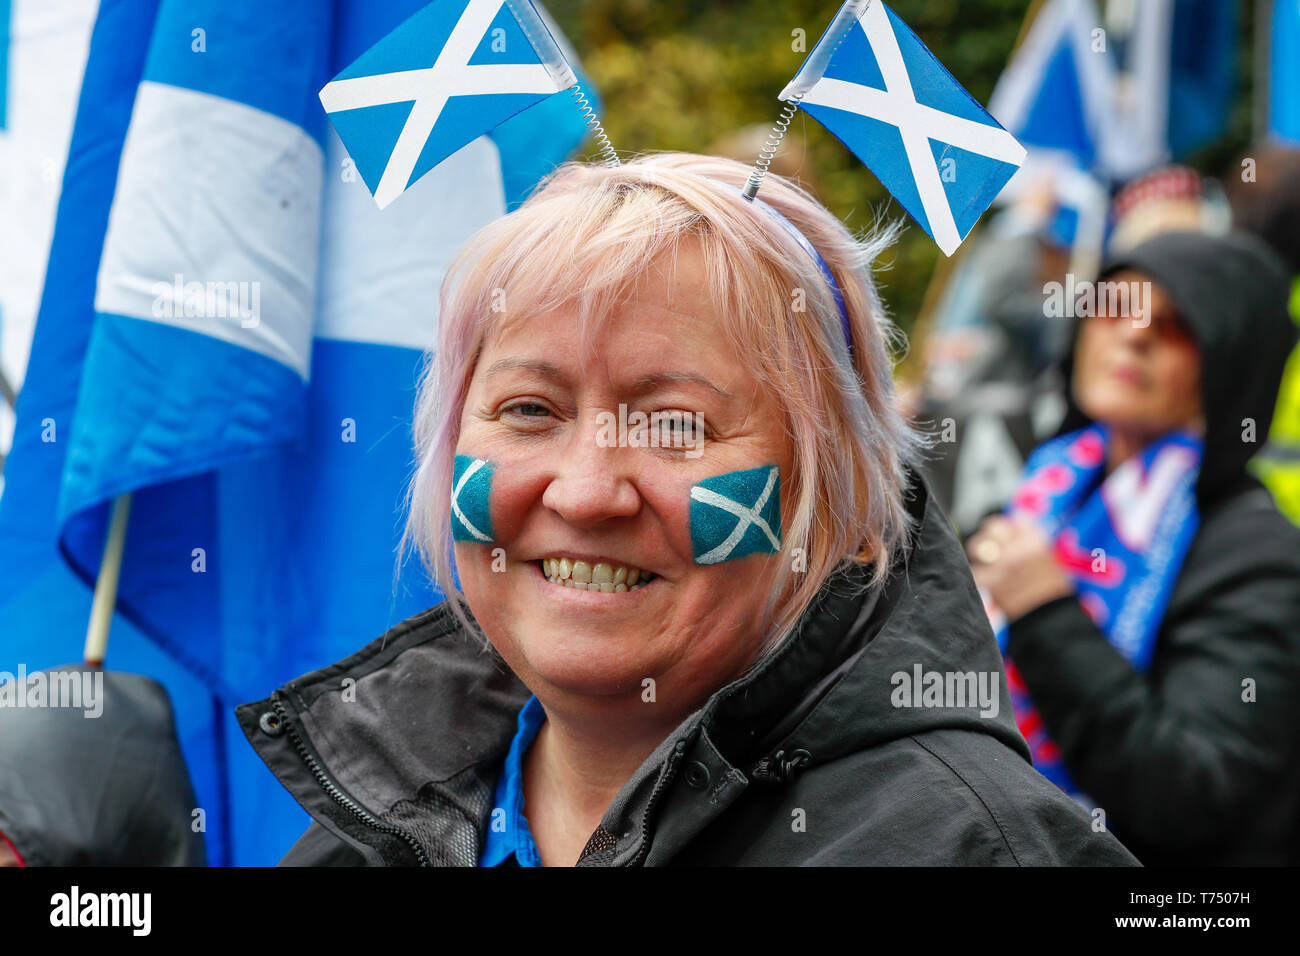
1136, 366
538, 409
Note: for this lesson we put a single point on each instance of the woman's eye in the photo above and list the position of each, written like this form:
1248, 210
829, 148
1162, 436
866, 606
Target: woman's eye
528, 410
683, 428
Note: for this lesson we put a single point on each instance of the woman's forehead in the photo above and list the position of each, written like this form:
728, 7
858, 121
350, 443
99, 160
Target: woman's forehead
673, 298
679, 268
645, 336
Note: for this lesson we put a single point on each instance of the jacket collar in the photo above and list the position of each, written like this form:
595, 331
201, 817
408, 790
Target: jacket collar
396, 749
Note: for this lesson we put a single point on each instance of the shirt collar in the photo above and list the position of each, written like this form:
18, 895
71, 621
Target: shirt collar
508, 833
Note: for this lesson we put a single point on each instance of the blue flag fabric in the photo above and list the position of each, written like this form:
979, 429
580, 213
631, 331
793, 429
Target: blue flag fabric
1057, 91
1203, 38
450, 73
1121, 105
1284, 90
873, 83
210, 340
5, 13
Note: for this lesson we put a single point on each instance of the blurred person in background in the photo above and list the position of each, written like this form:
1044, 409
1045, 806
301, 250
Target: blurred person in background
102, 783
992, 359
1167, 199
1005, 337
1146, 587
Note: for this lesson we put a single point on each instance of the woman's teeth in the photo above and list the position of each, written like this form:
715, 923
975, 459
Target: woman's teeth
608, 578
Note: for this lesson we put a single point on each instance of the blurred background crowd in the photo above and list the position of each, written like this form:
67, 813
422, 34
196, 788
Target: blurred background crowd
1192, 123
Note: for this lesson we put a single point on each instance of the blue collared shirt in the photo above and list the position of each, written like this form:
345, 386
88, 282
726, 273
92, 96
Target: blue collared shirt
509, 841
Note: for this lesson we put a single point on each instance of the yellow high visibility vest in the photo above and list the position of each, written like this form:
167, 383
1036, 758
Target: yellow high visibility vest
1278, 463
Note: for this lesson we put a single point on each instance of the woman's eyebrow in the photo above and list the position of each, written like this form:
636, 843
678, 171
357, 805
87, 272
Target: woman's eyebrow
544, 369
657, 380
643, 385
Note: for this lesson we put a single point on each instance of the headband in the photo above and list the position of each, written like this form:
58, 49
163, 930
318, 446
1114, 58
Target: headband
793, 232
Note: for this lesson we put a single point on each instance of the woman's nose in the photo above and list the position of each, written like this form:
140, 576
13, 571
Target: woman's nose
591, 482
1135, 329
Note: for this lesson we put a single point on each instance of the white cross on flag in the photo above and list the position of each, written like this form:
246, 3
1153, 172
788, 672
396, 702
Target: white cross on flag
873, 84
446, 76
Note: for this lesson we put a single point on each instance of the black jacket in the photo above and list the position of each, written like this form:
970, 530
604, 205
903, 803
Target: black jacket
1197, 761
803, 761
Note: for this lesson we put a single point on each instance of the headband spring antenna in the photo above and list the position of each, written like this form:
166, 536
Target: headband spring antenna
766, 154
606, 149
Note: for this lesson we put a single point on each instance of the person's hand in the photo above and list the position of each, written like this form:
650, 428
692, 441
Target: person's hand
1013, 561
7, 855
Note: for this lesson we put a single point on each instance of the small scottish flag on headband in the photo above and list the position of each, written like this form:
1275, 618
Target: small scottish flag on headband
446, 76
873, 84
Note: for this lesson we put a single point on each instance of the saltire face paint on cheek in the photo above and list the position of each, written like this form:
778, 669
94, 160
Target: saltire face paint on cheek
736, 514
471, 488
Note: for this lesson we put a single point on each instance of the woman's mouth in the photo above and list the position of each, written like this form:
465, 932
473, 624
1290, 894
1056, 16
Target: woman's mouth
601, 576
1128, 375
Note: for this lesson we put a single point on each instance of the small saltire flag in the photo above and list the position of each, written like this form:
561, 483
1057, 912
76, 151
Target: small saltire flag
446, 76
873, 83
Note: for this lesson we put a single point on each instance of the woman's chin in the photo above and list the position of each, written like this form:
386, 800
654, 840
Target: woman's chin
575, 675
1122, 411
586, 660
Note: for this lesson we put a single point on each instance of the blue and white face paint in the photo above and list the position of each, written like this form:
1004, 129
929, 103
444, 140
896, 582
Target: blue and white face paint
471, 519
736, 514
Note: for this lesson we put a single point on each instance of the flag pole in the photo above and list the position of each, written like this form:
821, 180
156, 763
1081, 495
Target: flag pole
812, 70
110, 570
1030, 17
1263, 68
537, 28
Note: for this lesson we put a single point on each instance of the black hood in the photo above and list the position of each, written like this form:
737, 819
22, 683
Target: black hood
101, 784
1232, 293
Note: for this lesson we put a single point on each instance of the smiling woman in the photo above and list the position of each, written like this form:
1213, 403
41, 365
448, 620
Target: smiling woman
680, 651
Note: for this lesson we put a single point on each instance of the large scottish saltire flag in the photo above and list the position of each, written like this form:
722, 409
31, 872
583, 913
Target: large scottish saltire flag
231, 331
1057, 91
873, 83
1121, 99
1284, 64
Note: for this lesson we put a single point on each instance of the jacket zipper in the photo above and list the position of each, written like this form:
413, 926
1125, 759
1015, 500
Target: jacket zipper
660, 785
336, 792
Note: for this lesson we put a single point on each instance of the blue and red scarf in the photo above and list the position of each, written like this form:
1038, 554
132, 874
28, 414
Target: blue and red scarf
1121, 538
